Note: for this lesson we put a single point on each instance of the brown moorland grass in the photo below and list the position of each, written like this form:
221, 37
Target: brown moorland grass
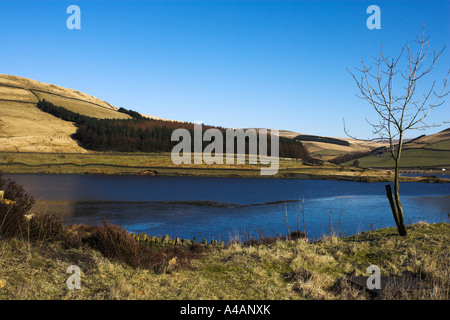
283, 269
327, 151
25, 128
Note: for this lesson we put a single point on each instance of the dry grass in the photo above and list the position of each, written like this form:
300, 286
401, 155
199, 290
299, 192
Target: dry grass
14, 86
24, 128
82, 107
326, 151
296, 269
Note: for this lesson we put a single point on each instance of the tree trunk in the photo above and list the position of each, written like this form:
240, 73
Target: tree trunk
401, 220
393, 205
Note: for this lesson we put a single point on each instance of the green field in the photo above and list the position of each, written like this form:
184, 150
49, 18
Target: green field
442, 145
410, 158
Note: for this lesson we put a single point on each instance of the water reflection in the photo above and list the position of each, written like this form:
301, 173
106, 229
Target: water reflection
220, 207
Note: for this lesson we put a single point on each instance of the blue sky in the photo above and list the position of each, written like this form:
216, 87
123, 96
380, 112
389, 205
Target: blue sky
273, 64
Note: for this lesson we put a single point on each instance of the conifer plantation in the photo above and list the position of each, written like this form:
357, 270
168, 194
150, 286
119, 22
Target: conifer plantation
140, 134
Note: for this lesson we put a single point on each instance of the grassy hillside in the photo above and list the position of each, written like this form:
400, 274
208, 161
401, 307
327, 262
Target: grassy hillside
25, 128
432, 151
25, 90
323, 147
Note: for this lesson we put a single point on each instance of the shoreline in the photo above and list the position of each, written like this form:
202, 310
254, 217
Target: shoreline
160, 164
222, 173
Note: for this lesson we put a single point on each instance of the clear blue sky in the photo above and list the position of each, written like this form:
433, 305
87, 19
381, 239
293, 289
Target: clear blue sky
273, 64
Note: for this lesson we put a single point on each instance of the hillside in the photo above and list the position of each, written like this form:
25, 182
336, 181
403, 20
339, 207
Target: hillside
326, 148
427, 151
24, 128
437, 141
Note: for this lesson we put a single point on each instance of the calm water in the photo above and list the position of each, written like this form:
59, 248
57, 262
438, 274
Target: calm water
226, 206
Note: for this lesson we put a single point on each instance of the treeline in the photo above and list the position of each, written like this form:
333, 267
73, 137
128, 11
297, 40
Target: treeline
304, 137
350, 156
356, 155
145, 135
133, 114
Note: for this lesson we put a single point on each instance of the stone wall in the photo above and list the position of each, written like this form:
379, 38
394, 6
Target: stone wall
166, 240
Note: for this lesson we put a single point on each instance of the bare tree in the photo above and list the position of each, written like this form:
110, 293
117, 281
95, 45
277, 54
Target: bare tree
401, 108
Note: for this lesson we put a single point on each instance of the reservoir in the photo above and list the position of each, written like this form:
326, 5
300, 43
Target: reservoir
225, 208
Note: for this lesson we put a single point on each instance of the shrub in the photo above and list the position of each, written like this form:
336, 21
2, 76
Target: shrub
297, 235
313, 162
114, 242
12, 211
45, 228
